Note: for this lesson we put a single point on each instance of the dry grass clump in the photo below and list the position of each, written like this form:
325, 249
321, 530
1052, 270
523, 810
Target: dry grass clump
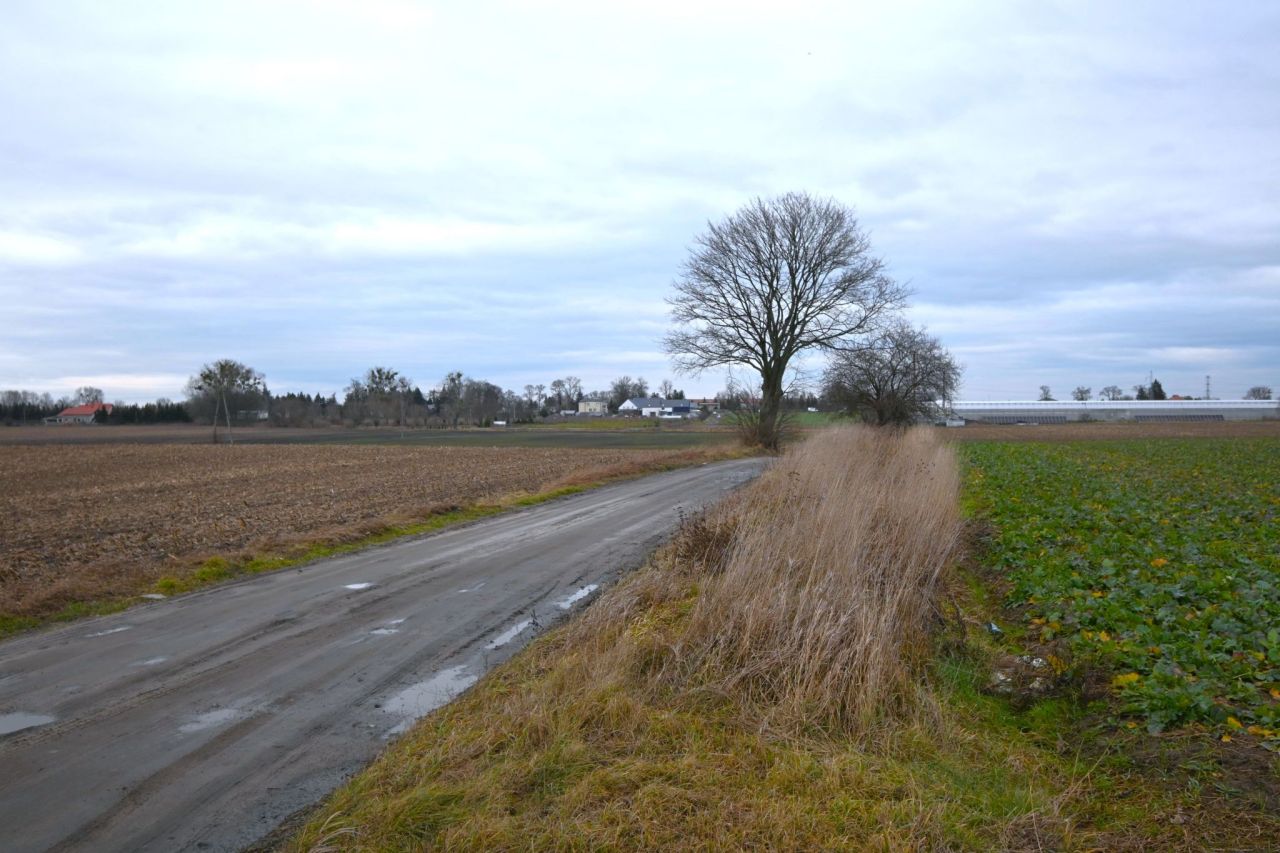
821, 614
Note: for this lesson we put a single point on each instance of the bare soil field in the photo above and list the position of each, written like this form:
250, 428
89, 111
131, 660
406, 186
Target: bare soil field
1111, 431
596, 433
80, 523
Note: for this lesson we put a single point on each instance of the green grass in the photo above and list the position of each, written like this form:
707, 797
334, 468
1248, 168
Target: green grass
1158, 560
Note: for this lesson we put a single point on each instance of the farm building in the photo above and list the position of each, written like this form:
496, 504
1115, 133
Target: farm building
654, 407
1065, 411
79, 414
593, 407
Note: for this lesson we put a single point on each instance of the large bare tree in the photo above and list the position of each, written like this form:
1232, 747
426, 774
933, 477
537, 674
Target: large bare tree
781, 276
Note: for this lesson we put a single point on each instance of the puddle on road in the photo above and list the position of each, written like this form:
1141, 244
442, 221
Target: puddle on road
110, 631
577, 596
382, 632
358, 586
19, 720
421, 699
473, 588
508, 635
209, 719
149, 662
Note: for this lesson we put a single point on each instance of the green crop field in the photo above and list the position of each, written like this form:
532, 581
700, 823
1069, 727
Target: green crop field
1158, 561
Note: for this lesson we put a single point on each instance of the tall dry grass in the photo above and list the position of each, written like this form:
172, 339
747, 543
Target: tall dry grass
821, 614
808, 600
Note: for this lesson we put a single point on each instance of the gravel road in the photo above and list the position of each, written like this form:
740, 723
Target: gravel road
201, 722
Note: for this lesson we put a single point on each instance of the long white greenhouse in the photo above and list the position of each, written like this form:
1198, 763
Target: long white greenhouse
1064, 411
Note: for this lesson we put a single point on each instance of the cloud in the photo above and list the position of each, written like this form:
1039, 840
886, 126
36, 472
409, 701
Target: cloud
1076, 193
36, 250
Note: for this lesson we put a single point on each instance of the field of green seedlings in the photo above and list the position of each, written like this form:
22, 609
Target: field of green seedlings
1157, 560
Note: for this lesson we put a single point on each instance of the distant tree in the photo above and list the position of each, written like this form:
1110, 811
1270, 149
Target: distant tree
899, 377
1258, 392
624, 388
1082, 394
1157, 391
382, 394
666, 389
1046, 396
1111, 392
780, 277
558, 389
227, 382
1141, 392
448, 397
573, 389
87, 394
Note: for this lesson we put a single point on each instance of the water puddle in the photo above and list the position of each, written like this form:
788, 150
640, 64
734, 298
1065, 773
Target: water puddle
209, 719
421, 699
19, 720
150, 662
154, 596
358, 586
473, 588
382, 632
577, 596
508, 635
110, 631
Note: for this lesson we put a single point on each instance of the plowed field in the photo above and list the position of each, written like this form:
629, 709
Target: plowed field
84, 522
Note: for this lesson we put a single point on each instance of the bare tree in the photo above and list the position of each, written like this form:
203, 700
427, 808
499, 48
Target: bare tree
1258, 392
1046, 395
902, 375
779, 277
1111, 392
624, 388
226, 381
1082, 394
573, 389
558, 389
87, 394
666, 389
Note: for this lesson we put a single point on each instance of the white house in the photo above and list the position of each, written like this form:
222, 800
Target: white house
654, 407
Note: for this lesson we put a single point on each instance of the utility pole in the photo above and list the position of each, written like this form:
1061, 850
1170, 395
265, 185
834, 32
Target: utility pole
1206, 387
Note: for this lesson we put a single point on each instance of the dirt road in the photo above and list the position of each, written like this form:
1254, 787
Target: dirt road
201, 722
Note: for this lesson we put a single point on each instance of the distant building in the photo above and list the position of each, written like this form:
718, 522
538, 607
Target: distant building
593, 407
654, 407
80, 414
1065, 411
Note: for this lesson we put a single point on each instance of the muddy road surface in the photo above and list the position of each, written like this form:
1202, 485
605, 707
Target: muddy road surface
201, 722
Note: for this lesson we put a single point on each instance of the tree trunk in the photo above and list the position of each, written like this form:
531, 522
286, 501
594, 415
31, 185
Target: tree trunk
770, 407
227, 410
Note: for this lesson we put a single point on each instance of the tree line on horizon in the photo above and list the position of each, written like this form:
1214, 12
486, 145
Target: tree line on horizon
1152, 390
230, 392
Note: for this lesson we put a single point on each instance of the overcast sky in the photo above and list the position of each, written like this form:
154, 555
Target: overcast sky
1076, 193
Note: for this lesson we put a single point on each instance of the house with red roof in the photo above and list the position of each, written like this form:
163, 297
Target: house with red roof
80, 414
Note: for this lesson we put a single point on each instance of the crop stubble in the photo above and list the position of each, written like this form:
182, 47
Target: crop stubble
80, 521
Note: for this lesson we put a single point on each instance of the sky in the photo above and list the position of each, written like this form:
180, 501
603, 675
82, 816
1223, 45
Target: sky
1075, 193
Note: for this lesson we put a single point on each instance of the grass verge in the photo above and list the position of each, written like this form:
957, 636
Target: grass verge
270, 555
